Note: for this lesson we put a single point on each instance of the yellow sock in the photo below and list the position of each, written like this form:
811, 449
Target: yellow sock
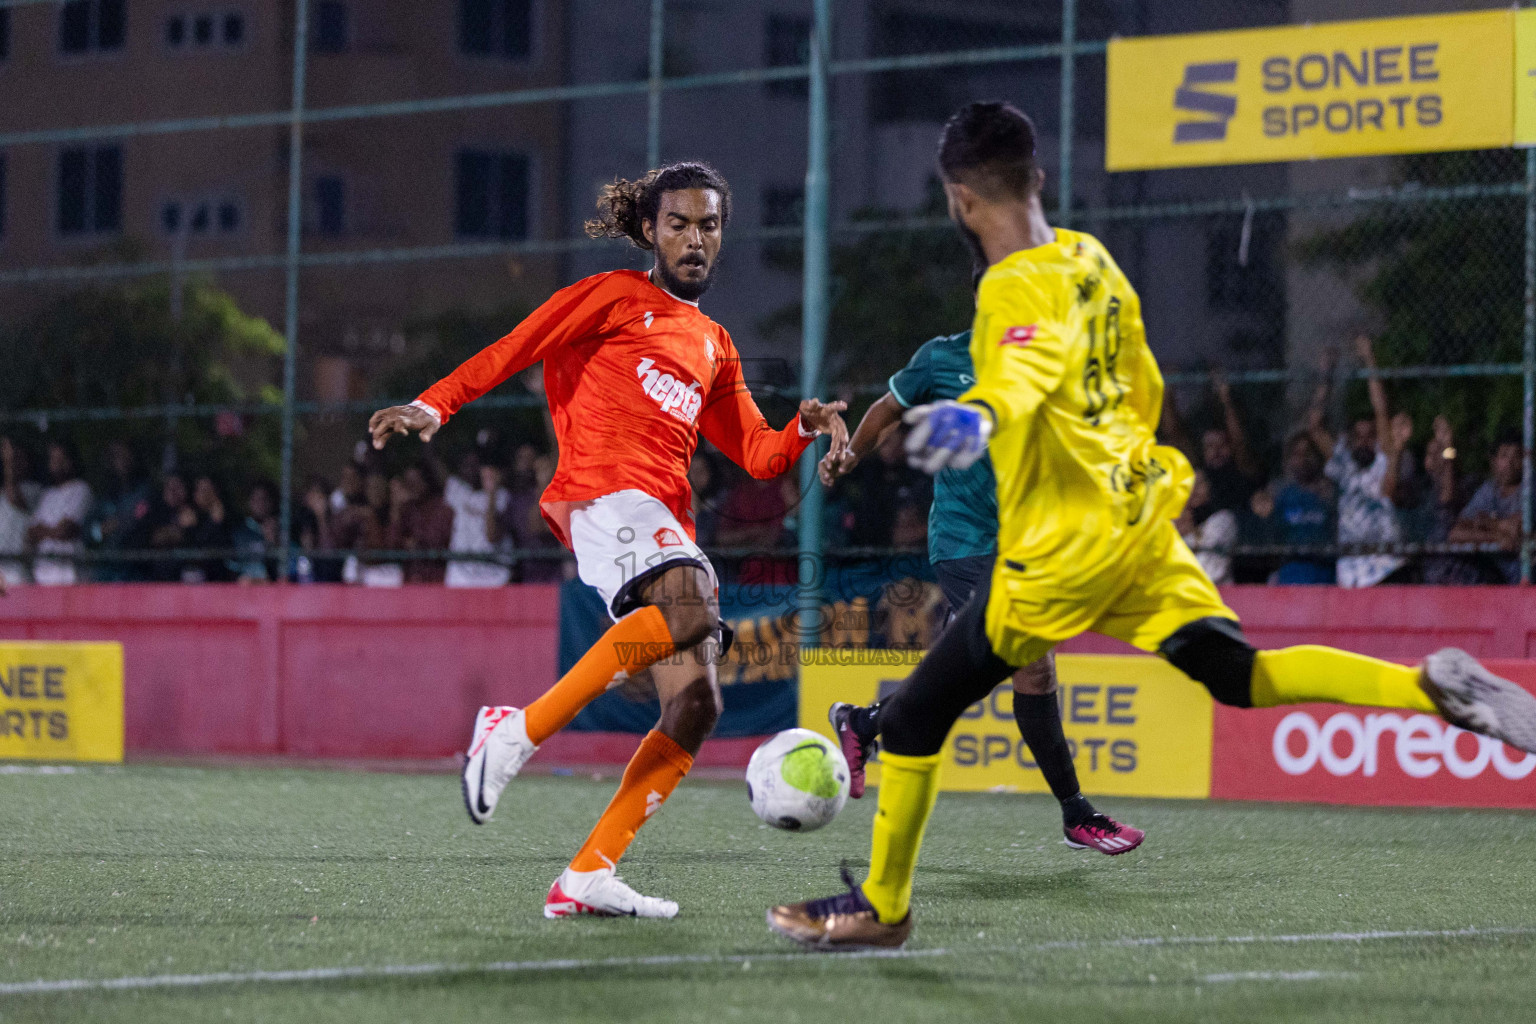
1298, 675
908, 788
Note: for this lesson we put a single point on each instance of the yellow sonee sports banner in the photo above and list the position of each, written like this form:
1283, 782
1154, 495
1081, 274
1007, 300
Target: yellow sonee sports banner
61, 702
1525, 76
1349, 88
1137, 726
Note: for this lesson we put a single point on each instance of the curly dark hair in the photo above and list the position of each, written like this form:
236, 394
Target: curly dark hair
625, 205
991, 147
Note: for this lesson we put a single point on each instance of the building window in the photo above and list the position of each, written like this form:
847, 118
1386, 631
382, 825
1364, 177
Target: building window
201, 216
90, 190
330, 205
332, 27
86, 25
491, 193
783, 207
205, 30
787, 45
500, 28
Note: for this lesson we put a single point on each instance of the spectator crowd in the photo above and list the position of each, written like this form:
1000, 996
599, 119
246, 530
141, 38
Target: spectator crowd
364, 528
1366, 489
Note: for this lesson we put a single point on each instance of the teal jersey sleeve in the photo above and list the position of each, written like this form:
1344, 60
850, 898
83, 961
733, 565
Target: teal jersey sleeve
963, 519
913, 384
939, 369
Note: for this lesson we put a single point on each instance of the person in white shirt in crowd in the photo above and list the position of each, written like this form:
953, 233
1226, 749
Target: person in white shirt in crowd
18, 496
477, 497
57, 517
1364, 467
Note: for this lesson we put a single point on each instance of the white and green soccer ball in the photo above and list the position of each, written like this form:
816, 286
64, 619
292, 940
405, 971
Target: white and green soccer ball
797, 780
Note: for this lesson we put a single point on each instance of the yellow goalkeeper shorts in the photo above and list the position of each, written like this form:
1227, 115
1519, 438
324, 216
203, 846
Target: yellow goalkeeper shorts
1161, 589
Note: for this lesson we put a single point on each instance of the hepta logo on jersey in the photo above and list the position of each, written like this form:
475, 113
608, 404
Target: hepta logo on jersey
1020, 336
678, 400
666, 537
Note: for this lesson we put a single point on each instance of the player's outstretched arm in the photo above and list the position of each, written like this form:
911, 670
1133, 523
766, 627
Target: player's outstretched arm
732, 422
881, 418
1019, 356
573, 312
826, 418
401, 419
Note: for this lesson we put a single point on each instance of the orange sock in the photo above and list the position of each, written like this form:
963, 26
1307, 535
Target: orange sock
653, 773
637, 641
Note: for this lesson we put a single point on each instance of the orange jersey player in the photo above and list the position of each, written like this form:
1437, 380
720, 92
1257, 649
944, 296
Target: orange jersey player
633, 372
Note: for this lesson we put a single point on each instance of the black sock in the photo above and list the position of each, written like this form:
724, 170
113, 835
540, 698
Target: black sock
1075, 810
865, 722
1039, 718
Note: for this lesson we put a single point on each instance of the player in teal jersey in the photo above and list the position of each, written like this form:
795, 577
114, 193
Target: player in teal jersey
962, 545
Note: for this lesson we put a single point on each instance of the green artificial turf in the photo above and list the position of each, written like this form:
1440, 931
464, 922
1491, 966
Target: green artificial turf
149, 871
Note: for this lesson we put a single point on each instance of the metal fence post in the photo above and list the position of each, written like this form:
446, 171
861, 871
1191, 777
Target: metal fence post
1068, 114
1529, 368
291, 300
653, 97
814, 312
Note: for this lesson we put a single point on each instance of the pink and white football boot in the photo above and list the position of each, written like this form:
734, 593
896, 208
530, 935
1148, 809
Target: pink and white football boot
498, 749
601, 893
1103, 833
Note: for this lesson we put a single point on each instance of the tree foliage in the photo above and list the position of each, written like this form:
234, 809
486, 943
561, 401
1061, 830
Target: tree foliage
119, 346
1446, 279
891, 291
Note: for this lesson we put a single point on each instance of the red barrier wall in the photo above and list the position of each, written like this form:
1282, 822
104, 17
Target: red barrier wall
310, 671
349, 672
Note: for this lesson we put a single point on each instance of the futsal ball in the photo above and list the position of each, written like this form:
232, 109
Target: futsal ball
797, 780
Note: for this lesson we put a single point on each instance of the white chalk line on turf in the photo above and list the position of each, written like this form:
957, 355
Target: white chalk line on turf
1238, 940
1217, 979
386, 971
18, 988
40, 769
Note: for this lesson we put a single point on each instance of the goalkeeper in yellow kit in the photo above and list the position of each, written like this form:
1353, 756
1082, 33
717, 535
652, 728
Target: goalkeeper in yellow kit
1066, 398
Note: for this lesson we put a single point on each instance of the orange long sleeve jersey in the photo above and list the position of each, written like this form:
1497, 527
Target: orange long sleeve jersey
632, 375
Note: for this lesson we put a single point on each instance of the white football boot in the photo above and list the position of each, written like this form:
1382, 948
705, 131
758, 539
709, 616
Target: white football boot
498, 749
602, 893
1473, 698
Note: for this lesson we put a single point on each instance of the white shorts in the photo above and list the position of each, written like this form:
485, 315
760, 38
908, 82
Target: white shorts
623, 539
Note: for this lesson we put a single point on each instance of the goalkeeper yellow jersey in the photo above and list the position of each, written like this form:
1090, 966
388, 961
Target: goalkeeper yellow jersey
1062, 362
